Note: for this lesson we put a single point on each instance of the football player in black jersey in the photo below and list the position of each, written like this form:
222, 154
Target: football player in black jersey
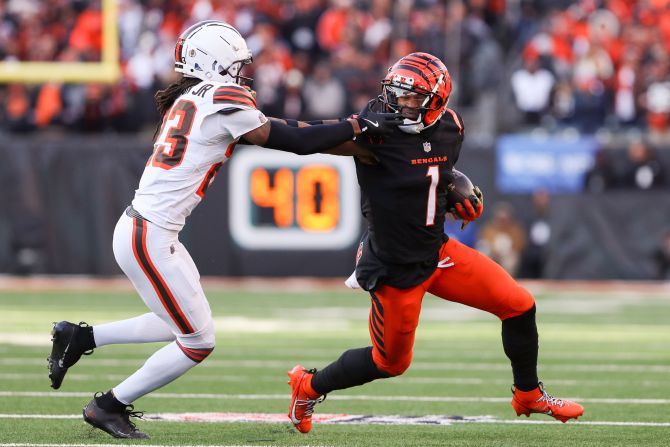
404, 253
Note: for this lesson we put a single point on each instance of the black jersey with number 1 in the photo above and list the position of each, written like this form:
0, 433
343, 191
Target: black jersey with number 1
404, 200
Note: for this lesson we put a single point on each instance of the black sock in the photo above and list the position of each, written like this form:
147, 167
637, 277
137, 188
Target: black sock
354, 367
520, 341
108, 402
85, 337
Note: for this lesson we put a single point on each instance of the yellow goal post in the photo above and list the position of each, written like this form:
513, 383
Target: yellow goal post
106, 71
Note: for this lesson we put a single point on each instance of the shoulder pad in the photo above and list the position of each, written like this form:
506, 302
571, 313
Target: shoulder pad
233, 95
455, 118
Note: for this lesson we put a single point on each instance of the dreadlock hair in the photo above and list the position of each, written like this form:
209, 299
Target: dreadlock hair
166, 97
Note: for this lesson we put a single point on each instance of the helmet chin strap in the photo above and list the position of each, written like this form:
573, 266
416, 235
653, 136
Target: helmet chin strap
412, 126
417, 126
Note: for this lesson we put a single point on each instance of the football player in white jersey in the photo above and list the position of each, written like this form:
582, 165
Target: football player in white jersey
205, 114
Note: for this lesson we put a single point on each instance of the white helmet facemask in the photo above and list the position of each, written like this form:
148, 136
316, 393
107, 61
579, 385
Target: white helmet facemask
212, 51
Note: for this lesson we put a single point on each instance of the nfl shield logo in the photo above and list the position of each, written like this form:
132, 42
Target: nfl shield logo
426, 146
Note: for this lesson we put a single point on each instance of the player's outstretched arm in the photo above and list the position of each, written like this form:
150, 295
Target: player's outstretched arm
296, 123
307, 140
347, 149
302, 140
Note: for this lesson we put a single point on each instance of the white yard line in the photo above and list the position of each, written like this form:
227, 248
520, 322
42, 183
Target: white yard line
159, 395
291, 284
400, 380
326, 418
493, 352
601, 289
39, 416
117, 445
94, 285
606, 423
419, 365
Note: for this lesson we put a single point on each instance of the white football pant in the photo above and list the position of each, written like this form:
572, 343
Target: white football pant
168, 282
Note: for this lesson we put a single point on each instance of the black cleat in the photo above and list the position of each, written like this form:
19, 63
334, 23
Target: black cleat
116, 424
66, 350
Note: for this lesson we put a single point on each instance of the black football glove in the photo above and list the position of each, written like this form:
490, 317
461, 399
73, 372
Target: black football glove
377, 124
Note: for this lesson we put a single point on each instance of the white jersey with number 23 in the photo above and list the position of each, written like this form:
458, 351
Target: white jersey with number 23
197, 136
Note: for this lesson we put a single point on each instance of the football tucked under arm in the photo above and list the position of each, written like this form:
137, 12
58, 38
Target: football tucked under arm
464, 200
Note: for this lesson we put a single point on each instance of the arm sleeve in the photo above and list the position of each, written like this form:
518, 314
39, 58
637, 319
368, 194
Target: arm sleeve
319, 122
308, 140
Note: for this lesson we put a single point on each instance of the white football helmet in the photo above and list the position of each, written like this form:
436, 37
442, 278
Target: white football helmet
212, 51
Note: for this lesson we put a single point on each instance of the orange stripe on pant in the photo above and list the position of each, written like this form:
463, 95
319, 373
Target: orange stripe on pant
139, 241
474, 280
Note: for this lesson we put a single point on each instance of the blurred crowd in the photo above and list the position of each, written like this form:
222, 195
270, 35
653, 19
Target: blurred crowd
312, 58
641, 170
585, 63
521, 242
520, 246
598, 64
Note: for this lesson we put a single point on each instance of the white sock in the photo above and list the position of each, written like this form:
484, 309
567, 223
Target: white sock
147, 328
161, 368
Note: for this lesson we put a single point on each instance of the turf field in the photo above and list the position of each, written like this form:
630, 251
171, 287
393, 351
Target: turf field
608, 348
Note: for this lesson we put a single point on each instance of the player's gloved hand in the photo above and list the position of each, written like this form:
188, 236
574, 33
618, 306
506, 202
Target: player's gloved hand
377, 124
471, 208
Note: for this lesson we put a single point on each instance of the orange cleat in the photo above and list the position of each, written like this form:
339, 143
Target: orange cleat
539, 401
303, 398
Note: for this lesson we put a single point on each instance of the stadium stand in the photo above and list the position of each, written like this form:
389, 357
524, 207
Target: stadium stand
592, 64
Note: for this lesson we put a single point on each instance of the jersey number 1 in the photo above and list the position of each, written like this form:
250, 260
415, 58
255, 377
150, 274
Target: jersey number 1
170, 146
434, 174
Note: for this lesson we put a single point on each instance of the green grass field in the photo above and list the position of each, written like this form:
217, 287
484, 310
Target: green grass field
609, 350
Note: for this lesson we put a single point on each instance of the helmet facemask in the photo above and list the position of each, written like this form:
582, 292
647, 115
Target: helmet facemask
234, 70
392, 97
403, 87
424, 76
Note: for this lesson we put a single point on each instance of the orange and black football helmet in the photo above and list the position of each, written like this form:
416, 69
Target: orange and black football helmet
422, 74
